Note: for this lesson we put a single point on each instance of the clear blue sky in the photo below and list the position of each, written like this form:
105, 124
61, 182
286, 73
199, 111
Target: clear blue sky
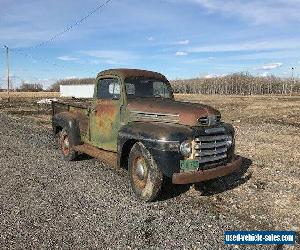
180, 38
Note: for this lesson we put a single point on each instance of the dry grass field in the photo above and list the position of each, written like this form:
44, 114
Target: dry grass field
268, 134
259, 109
14, 95
266, 194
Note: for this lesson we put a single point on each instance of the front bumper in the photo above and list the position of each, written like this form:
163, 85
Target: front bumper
203, 175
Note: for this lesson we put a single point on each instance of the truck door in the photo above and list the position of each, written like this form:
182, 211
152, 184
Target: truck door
105, 114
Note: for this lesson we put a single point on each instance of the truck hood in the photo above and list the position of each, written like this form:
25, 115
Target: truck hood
167, 110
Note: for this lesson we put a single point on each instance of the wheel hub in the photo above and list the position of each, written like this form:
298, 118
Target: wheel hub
139, 172
65, 145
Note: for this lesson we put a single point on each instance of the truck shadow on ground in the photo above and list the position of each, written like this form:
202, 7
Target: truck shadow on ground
226, 183
84, 157
210, 187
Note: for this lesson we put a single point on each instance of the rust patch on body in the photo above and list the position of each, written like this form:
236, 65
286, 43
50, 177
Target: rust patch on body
82, 117
188, 113
203, 175
105, 123
106, 116
124, 73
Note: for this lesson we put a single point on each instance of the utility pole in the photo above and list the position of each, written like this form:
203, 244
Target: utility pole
293, 79
7, 63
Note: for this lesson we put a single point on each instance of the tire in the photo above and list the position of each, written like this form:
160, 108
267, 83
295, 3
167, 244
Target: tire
68, 153
145, 178
57, 140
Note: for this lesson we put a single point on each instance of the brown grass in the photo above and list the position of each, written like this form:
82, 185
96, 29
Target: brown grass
4, 95
260, 109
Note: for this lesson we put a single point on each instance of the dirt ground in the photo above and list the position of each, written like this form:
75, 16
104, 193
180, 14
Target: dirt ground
264, 195
14, 95
268, 135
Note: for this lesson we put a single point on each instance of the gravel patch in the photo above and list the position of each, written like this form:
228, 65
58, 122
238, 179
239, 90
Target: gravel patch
46, 202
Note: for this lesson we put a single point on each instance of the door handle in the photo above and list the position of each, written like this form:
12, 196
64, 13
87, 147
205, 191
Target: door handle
122, 114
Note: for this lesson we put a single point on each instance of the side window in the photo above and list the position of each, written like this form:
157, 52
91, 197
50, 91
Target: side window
130, 89
161, 89
108, 89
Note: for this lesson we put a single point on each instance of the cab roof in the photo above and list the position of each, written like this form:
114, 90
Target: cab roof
126, 73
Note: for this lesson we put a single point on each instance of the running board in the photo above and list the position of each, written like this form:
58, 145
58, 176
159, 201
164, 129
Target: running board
108, 157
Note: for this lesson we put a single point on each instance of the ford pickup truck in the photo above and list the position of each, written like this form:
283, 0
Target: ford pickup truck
134, 122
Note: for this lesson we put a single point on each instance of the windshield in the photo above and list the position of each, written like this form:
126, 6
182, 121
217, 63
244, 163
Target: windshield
145, 87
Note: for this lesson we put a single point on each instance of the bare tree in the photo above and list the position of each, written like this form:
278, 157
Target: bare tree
238, 84
30, 87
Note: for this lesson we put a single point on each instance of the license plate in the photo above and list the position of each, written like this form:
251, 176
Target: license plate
189, 165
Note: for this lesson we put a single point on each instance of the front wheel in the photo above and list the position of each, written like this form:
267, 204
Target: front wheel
145, 178
68, 152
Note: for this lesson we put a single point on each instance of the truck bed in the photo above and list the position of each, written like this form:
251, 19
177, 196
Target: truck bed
65, 104
80, 108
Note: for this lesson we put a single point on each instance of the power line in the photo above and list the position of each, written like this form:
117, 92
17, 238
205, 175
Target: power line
52, 63
69, 28
37, 58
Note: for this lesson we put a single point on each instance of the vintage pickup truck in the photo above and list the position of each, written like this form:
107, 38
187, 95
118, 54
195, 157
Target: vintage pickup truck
134, 122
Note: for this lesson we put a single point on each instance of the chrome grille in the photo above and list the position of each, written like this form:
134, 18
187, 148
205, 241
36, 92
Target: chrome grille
210, 149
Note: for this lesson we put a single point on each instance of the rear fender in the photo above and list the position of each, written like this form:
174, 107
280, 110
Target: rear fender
68, 121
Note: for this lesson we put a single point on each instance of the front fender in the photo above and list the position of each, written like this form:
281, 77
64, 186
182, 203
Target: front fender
161, 139
68, 121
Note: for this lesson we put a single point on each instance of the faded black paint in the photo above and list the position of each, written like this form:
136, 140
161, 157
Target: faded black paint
163, 140
68, 121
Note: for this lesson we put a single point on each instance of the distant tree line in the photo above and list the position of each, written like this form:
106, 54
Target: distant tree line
238, 84
234, 84
30, 87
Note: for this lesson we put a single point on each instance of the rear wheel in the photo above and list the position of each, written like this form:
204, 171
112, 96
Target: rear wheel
145, 178
66, 147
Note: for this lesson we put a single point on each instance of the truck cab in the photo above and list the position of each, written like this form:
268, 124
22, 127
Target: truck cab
134, 122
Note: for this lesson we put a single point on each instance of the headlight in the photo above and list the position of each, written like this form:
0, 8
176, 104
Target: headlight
186, 148
229, 141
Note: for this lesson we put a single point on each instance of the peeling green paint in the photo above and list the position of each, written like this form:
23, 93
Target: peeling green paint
105, 124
